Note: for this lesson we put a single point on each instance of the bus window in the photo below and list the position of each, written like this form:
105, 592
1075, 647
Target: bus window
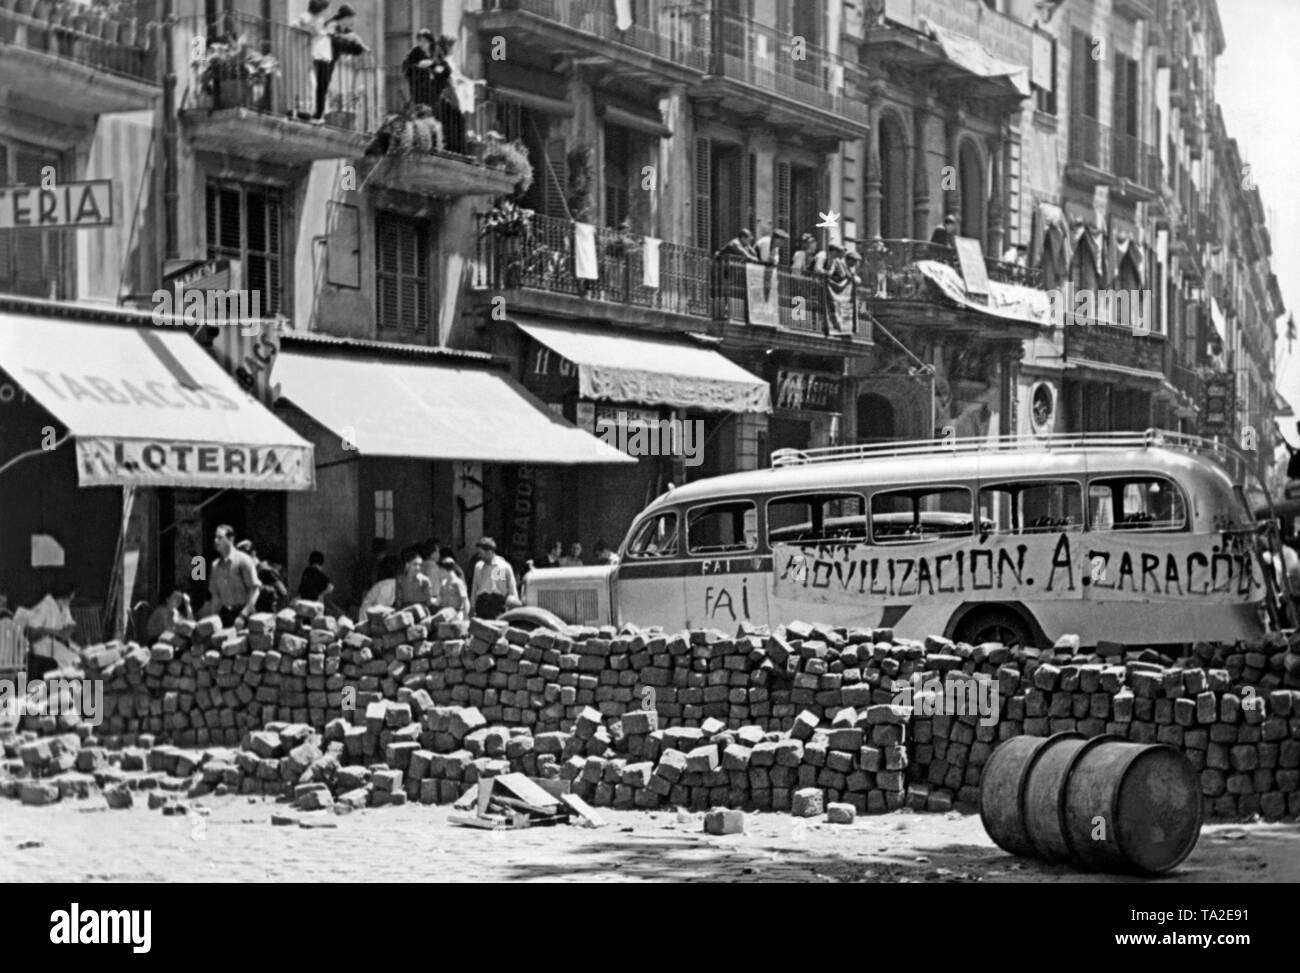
723, 528
656, 537
817, 518
1135, 503
926, 513
1032, 508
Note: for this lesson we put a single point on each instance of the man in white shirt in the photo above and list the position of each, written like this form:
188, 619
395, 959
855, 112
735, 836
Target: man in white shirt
50, 626
494, 582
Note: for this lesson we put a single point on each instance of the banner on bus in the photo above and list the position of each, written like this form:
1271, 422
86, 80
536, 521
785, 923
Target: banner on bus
1100, 567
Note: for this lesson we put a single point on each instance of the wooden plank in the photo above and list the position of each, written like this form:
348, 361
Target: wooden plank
585, 812
524, 789
474, 821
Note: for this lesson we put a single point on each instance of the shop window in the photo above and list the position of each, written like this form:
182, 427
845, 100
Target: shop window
1032, 508
33, 263
656, 537
819, 518
723, 528
922, 514
1136, 503
401, 276
245, 224
384, 526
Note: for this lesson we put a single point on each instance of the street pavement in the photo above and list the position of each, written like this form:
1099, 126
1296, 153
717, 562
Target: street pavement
78, 841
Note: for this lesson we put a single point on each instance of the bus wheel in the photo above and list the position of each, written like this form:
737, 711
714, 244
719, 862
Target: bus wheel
994, 625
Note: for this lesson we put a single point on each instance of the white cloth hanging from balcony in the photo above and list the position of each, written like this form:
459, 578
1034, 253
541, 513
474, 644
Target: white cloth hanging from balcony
584, 252
650, 263
622, 14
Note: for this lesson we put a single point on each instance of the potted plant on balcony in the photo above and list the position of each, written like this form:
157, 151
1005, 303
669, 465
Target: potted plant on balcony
413, 130
512, 156
233, 74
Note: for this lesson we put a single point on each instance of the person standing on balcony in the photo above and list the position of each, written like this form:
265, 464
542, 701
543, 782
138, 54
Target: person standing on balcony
315, 24
455, 97
946, 235
424, 76
803, 257
741, 245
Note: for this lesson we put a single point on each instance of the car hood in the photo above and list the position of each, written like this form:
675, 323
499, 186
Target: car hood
583, 575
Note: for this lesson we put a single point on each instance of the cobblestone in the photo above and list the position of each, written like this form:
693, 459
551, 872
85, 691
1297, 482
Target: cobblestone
236, 842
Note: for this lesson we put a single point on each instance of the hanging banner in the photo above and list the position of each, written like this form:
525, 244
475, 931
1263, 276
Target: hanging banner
104, 461
1051, 566
762, 296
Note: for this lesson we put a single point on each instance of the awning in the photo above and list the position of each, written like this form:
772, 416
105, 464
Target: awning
624, 367
149, 407
974, 57
432, 411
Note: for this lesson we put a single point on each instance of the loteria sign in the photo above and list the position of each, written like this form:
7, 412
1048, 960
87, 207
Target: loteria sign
65, 205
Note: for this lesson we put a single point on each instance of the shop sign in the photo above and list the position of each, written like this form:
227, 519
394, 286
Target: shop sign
64, 205
107, 461
794, 389
1217, 406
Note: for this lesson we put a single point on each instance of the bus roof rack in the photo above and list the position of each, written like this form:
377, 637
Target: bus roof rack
1018, 443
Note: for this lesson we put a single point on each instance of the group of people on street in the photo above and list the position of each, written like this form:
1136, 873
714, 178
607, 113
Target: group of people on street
239, 584
332, 38
556, 558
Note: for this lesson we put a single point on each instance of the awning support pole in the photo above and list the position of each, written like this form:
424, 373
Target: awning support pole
118, 618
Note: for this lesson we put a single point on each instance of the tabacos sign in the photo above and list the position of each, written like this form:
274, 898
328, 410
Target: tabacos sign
142, 462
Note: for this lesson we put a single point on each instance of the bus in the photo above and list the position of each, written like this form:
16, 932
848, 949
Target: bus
1124, 537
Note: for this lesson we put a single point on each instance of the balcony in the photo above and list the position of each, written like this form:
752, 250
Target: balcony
1115, 345
1099, 155
1187, 380
894, 260
61, 58
753, 72
535, 253
665, 41
267, 115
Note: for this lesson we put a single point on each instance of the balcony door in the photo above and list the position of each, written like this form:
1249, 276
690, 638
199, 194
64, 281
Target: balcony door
726, 191
894, 203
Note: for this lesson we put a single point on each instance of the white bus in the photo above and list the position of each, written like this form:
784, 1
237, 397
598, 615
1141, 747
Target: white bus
1125, 537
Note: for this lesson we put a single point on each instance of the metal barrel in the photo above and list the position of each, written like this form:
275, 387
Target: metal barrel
1132, 807
1044, 822
1103, 804
1002, 790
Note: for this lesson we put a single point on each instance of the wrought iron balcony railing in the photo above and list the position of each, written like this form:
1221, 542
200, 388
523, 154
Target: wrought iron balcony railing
897, 259
123, 46
673, 31
284, 82
760, 55
537, 252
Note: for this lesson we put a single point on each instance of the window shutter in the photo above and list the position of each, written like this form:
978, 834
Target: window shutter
1079, 55
386, 260
703, 199
782, 182
6, 236
557, 180
35, 260
751, 192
